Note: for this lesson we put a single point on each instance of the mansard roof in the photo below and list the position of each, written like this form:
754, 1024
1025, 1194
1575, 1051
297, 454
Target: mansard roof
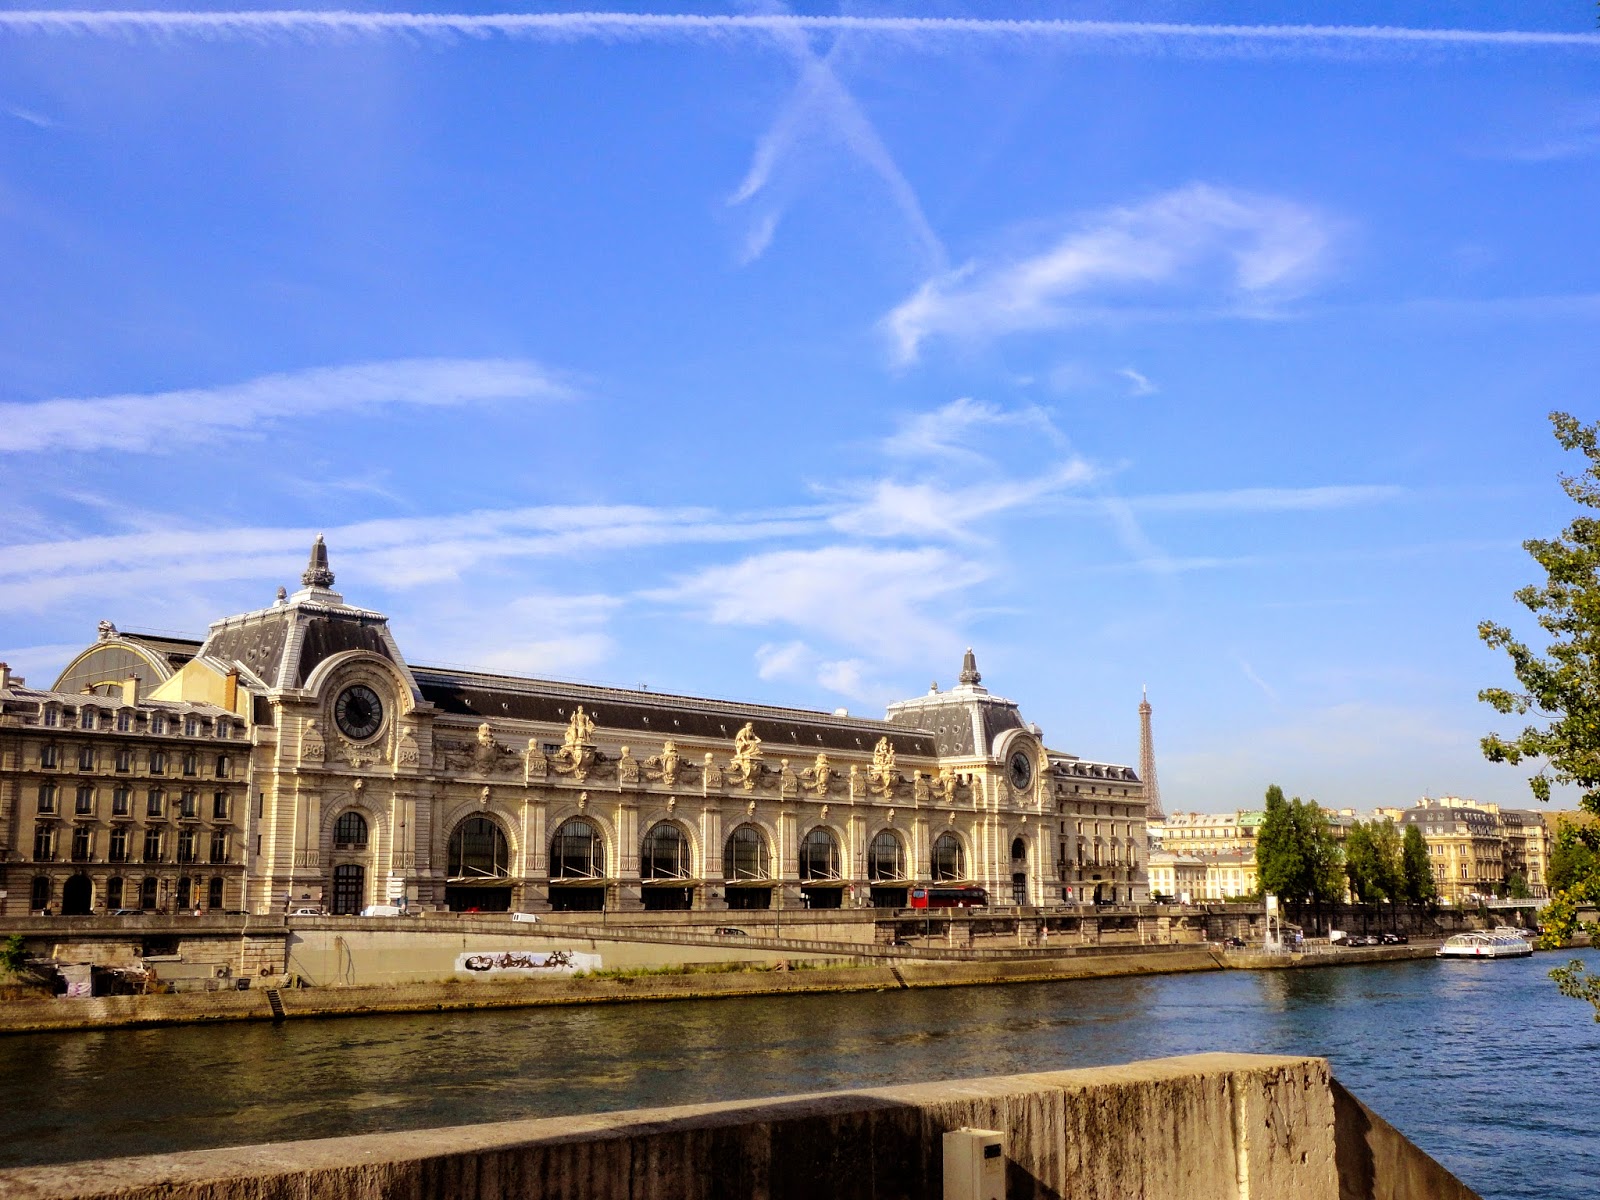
966, 720
662, 714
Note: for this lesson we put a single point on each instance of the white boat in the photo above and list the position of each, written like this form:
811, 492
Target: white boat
1485, 945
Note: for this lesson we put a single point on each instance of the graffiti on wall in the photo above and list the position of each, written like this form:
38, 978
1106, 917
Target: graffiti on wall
484, 963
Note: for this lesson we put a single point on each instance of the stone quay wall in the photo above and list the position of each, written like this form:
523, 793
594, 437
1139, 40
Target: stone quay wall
1206, 1127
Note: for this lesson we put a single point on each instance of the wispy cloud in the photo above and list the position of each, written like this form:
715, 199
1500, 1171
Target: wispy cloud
1138, 383
29, 117
820, 106
1247, 251
1260, 500
876, 602
915, 32
159, 421
1250, 674
948, 431
889, 508
541, 633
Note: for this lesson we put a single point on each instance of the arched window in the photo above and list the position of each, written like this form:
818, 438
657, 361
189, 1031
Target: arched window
949, 859
577, 851
819, 855
350, 831
886, 857
1019, 849
745, 856
478, 850
665, 853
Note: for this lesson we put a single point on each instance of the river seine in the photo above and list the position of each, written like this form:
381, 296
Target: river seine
1484, 1065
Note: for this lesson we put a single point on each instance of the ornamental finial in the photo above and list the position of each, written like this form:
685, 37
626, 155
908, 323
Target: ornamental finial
317, 573
969, 669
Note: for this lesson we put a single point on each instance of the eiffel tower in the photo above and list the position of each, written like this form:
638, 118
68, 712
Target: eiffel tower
1147, 763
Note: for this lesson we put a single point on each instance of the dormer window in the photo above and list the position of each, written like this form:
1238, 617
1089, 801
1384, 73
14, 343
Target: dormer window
158, 723
190, 726
86, 719
52, 716
124, 720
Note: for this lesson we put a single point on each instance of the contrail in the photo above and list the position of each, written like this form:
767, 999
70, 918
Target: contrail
915, 32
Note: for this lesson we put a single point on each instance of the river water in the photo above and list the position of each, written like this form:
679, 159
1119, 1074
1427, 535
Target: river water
1482, 1064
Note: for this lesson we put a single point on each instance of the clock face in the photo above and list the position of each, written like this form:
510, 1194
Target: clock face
358, 712
1021, 767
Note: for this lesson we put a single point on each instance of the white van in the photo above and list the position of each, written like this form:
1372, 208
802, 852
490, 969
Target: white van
531, 918
381, 910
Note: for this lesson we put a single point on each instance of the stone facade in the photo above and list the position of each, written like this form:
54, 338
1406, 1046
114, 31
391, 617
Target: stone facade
371, 780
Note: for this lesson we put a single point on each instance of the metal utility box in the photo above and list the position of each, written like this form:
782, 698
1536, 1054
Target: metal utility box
974, 1165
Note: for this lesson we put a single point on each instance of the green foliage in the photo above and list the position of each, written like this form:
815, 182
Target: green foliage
1570, 861
1517, 886
1560, 689
13, 954
1296, 856
1416, 870
1574, 982
1372, 861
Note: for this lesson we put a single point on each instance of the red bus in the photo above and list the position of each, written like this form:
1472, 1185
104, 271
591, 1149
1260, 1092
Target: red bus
949, 897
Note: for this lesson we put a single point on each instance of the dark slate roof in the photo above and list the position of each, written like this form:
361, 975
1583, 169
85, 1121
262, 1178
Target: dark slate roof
325, 637
260, 640
256, 643
661, 714
952, 723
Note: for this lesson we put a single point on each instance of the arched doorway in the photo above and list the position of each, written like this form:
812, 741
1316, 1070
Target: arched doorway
821, 870
577, 867
665, 868
77, 897
747, 869
480, 868
886, 864
949, 859
1019, 871
349, 889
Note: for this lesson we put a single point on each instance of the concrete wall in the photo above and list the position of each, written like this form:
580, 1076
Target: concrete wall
1208, 1127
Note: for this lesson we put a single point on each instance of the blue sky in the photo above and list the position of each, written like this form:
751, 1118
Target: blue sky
783, 359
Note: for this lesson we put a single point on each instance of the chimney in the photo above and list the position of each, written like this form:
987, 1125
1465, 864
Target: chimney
130, 690
230, 690
5, 675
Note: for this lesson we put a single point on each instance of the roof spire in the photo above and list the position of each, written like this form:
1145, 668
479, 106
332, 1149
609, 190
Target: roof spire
317, 574
969, 669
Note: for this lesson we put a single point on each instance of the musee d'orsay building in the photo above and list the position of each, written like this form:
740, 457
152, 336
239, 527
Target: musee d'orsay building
295, 757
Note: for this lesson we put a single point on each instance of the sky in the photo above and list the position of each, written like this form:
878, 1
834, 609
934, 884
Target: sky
780, 353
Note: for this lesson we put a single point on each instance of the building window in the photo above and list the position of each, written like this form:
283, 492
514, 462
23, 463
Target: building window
745, 856
949, 859
158, 762
478, 850
664, 854
40, 899
219, 806
222, 766
47, 797
84, 804
52, 717
350, 831
189, 805
85, 758
819, 855
49, 755
155, 803
886, 857
124, 759
186, 840
82, 843
191, 763
214, 892
119, 844
190, 726
185, 891
119, 800
44, 843
577, 851
219, 845
152, 845
158, 723
124, 720
114, 892
147, 893
86, 719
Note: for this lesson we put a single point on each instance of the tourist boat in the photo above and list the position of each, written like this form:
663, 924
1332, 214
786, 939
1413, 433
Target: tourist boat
1485, 945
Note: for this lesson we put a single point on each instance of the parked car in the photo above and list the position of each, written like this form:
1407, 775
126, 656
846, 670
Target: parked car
528, 918
308, 912
729, 931
1236, 942
1393, 939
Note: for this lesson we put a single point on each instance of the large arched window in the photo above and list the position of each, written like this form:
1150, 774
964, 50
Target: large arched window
665, 853
949, 859
886, 856
478, 850
819, 856
745, 856
577, 851
350, 831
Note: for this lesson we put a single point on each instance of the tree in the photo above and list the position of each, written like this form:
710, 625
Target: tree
1361, 864
1416, 871
1517, 886
13, 954
1570, 861
1561, 688
1296, 856
1386, 848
